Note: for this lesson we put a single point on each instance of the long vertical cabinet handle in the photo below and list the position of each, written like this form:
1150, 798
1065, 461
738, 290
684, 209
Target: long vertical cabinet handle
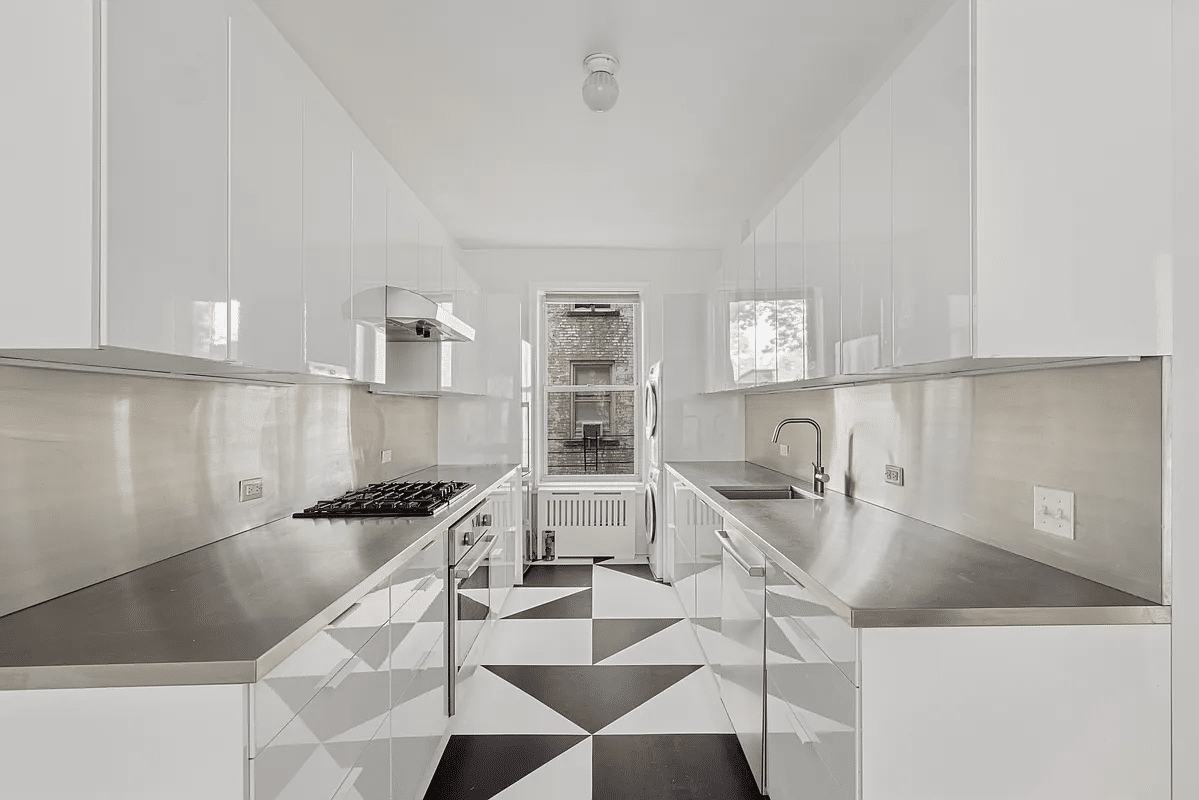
727, 544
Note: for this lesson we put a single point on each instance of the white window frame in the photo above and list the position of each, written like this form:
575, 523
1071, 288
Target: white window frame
620, 294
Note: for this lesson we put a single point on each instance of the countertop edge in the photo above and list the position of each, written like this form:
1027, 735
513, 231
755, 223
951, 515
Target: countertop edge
193, 673
1148, 614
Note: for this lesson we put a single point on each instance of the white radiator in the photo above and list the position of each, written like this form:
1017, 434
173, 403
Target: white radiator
589, 522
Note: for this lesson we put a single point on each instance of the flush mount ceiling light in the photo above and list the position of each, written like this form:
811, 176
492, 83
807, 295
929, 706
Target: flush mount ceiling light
600, 90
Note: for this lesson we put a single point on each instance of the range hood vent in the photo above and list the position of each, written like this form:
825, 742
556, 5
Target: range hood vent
412, 317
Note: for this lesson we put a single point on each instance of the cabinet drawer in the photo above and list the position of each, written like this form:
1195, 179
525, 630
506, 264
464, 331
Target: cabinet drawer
313, 753
416, 585
794, 768
278, 696
801, 627
418, 722
823, 705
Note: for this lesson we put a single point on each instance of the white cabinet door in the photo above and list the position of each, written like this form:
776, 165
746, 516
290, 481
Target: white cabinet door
166, 141
369, 259
822, 263
266, 211
744, 328
428, 276
866, 237
790, 307
1073, 166
403, 234
930, 135
46, 252
327, 228
765, 293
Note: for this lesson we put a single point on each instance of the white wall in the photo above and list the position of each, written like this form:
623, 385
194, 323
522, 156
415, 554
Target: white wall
1185, 407
696, 427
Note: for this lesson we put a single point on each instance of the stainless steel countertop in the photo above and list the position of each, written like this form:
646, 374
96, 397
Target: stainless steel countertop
226, 612
877, 568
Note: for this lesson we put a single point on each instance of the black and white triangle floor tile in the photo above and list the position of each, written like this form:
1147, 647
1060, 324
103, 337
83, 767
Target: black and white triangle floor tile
617, 704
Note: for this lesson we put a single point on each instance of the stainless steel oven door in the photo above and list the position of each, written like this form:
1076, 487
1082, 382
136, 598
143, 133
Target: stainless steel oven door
470, 606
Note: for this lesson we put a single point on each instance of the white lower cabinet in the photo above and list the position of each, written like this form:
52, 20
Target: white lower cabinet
812, 705
360, 707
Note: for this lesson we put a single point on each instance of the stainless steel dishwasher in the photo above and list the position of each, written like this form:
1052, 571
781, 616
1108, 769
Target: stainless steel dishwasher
742, 669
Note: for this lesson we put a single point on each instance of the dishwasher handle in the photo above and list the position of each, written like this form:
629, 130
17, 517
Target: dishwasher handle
477, 555
727, 544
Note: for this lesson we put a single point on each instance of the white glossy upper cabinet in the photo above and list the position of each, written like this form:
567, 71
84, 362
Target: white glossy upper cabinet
266, 209
165, 174
432, 245
368, 306
1073, 177
765, 285
328, 181
744, 330
790, 308
866, 237
403, 235
930, 134
719, 364
47, 256
821, 188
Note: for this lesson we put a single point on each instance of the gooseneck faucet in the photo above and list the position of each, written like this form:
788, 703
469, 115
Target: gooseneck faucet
819, 476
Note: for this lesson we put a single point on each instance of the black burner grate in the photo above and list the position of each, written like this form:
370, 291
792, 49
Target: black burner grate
390, 499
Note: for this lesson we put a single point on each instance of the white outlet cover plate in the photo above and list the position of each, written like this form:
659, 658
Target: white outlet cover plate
1053, 511
784, 449
385, 456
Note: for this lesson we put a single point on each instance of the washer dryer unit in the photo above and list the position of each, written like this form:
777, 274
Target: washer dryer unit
654, 508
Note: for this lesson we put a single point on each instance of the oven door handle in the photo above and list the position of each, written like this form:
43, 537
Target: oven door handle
475, 557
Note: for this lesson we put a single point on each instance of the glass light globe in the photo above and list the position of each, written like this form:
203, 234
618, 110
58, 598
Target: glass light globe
600, 91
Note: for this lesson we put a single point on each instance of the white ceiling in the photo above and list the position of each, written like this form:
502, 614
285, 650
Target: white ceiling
476, 103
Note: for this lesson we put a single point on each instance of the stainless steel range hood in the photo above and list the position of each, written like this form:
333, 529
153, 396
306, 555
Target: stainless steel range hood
412, 317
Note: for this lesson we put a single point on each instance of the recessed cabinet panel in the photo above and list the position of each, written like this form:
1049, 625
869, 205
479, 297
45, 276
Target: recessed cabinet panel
266, 215
866, 237
166, 141
822, 263
327, 234
369, 300
791, 306
930, 113
765, 294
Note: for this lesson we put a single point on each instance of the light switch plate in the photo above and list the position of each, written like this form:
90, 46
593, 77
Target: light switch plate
1053, 511
784, 449
385, 457
249, 489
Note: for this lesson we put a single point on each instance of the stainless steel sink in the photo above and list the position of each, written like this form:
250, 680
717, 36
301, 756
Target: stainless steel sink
765, 493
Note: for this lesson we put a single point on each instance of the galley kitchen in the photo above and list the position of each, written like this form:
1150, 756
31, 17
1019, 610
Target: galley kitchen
685, 400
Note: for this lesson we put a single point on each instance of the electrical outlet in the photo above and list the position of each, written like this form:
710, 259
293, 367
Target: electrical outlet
385, 457
249, 489
1053, 511
893, 474
784, 449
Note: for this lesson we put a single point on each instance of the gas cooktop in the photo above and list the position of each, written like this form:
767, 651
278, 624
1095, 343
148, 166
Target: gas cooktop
390, 499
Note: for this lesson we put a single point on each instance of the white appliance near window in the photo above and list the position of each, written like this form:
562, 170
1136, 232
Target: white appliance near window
654, 517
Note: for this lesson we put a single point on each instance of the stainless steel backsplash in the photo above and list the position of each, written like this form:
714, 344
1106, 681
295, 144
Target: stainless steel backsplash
973, 448
104, 473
